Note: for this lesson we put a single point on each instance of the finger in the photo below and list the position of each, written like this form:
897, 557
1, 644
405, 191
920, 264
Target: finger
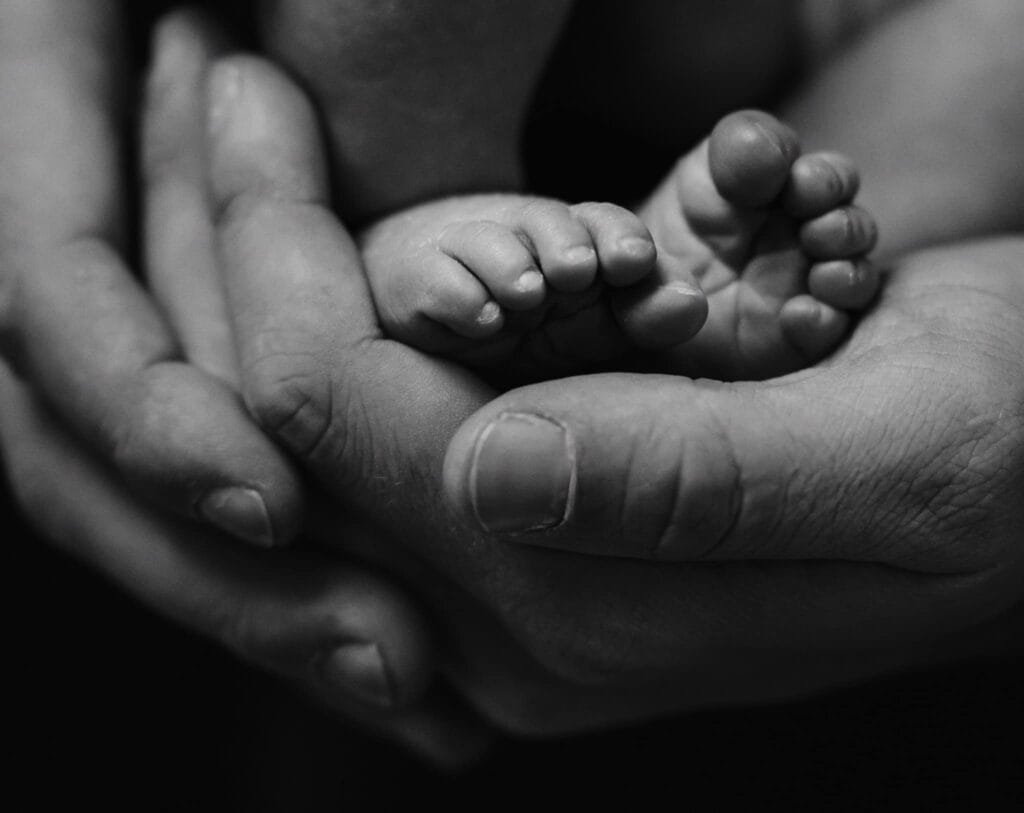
83, 329
656, 467
316, 371
342, 633
370, 417
178, 232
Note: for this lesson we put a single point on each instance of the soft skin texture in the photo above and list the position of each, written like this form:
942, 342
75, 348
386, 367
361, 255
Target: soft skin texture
351, 449
536, 289
924, 426
93, 343
75, 321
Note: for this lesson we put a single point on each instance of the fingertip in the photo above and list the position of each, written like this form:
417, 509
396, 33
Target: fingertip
259, 123
376, 648
186, 441
444, 732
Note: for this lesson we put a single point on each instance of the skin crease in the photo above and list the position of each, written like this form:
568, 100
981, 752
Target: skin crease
545, 639
86, 330
651, 621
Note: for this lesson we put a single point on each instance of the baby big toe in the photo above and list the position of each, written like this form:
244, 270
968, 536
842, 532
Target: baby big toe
750, 154
812, 327
844, 284
842, 233
656, 315
819, 182
625, 248
499, 259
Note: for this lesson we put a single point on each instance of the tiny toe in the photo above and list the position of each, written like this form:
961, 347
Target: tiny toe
457, 300
657, 316
498, 259
625, 248
750, 154
814, 328
846, 232
845, 284
562, 244
819, 182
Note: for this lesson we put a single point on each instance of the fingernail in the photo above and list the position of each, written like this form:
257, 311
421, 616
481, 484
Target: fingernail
523, 474
359, 671
241, 512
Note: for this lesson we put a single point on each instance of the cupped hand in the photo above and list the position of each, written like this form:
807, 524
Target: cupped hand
118, 391
346, 637
827, 526
873, 499
75, 319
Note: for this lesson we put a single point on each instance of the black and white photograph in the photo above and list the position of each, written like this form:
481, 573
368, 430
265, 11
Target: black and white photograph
513, 404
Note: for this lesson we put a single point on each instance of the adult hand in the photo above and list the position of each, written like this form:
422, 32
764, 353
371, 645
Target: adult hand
346, 637
74, 319
88, 338
639, 463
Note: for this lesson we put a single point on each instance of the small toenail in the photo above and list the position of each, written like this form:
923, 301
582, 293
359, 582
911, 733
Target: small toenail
636, 245
489, 313
578, 255
530, 281
685, 289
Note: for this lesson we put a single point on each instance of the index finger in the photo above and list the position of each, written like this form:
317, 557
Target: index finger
76, 320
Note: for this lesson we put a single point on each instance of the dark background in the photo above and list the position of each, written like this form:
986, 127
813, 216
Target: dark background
111, 707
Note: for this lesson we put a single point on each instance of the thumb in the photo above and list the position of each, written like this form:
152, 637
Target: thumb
812, 466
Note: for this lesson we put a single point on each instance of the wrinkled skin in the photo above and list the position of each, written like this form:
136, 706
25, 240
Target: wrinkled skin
923, 424
887, 565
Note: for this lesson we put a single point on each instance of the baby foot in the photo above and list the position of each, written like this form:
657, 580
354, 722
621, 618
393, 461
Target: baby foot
536, 286
775, 242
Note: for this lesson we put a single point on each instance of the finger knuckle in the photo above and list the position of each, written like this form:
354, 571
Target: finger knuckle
681, 497
137, 431
291, 398
253, 209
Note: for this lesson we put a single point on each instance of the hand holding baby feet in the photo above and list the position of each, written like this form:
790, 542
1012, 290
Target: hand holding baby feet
536, 285
776, 243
